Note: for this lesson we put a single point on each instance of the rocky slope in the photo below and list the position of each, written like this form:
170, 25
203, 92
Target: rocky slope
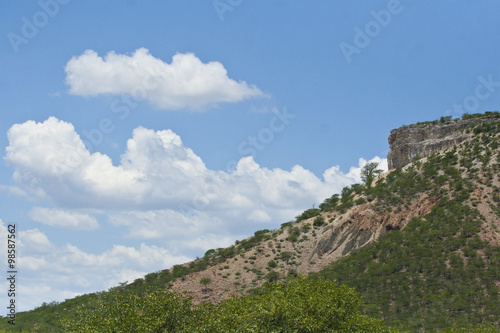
316, 247
306, 246
422, 140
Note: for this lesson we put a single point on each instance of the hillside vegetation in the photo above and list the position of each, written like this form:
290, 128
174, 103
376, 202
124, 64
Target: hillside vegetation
417, 249
443, 268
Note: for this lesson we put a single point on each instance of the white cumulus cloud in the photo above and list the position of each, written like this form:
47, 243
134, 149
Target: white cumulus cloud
158, 179
161, 193
51, 272
186, 82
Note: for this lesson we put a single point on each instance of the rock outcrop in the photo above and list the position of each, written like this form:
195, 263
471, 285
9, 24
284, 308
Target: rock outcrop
360, 226
422, 140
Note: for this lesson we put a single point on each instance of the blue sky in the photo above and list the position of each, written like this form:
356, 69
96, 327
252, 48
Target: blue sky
136, 135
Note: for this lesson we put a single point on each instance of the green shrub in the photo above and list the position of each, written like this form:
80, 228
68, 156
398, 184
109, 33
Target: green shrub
272, 264
122, 312
308, 214
300, 305
319, 221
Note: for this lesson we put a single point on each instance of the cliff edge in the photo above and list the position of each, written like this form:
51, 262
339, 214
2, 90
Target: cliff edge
424, 139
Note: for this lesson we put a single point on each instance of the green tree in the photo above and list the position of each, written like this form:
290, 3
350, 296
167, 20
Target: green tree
330, 203
210, 252
319, 221
156, 311
272, 264
273, 276
205, 282
298, 305
445, 119
312, 212
370, 172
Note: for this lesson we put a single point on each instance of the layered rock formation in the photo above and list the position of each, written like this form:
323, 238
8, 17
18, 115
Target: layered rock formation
422, 140
361, 226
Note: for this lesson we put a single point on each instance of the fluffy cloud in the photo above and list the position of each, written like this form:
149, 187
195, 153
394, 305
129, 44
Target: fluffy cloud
161, 192
157, 172
51, 273
64, 219
50, 159
185, 83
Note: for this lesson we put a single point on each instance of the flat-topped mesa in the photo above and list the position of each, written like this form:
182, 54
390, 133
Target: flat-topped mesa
423, 139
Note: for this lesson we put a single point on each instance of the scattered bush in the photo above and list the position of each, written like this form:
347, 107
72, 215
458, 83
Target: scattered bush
319, 221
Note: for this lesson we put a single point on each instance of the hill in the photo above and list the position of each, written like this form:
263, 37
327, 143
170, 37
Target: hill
421, 243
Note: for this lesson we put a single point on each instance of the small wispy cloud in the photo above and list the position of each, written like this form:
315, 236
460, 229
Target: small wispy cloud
63, 219
13, 190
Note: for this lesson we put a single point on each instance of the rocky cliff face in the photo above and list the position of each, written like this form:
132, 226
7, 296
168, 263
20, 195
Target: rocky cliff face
361, 226
422, 140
